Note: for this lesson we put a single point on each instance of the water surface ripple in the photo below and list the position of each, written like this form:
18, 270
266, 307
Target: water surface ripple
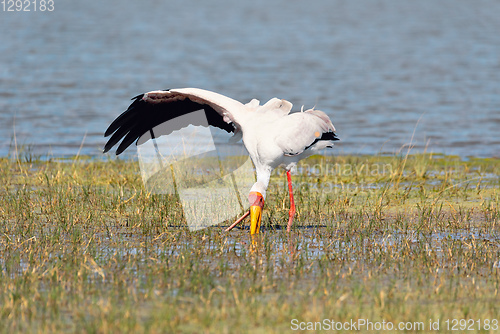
380, 69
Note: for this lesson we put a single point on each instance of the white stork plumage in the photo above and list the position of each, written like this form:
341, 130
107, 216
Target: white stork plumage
271, 134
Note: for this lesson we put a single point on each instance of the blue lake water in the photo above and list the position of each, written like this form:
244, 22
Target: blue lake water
382, 69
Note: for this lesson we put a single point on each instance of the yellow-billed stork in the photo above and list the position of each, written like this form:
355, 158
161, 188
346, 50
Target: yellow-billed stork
271, 134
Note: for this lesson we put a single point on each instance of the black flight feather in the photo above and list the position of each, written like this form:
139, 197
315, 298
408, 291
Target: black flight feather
325, 136
142, 116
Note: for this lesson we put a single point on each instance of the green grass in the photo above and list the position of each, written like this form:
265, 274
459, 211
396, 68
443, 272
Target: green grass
84, 248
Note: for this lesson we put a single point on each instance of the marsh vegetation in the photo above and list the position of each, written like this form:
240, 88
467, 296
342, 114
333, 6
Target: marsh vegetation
85, 248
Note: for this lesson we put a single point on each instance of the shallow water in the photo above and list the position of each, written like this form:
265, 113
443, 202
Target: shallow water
309, 243
380, 69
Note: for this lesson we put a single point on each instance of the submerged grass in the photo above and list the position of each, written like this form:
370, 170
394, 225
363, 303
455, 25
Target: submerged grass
412, 239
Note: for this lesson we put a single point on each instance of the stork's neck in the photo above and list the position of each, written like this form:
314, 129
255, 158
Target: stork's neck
263, 176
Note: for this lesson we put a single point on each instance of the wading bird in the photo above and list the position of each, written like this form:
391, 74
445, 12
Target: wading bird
271, 134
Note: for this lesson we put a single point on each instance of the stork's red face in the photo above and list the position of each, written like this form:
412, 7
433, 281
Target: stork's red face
256, 205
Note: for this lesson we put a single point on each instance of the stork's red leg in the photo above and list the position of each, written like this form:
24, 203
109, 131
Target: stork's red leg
292, 203
237, 222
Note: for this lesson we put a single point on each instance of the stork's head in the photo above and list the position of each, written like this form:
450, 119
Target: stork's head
256, 199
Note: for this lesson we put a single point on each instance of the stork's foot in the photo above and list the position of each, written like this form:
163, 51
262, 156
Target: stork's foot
237, 222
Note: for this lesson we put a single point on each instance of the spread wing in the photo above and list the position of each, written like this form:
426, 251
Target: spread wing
156, 107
